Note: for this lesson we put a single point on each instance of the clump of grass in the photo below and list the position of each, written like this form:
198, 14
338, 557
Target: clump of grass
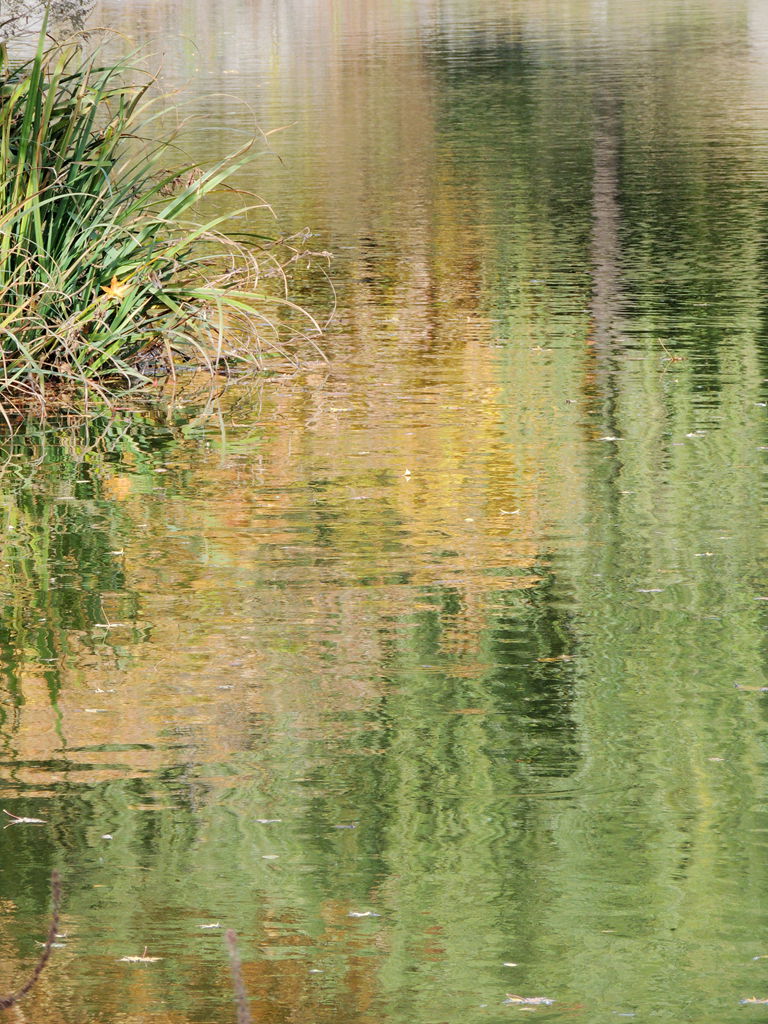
104, 270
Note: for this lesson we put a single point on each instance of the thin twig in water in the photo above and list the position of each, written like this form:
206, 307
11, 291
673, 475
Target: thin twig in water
241, 996
16, 820
6, 1002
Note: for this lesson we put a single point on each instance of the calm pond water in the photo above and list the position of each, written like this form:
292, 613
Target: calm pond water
434, 671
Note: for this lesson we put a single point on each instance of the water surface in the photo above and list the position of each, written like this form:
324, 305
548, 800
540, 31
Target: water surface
436, 670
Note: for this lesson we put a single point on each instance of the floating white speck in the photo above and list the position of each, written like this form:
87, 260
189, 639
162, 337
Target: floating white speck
106, 836
363, 913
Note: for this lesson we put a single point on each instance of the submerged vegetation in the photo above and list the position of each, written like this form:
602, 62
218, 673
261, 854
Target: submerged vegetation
106, 275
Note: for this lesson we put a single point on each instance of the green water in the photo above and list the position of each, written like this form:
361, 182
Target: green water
433, 671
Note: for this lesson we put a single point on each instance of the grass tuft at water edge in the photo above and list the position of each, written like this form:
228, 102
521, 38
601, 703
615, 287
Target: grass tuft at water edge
106, 272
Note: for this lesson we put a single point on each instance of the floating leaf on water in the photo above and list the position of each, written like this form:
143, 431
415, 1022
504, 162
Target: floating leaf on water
16, 820
513, 1000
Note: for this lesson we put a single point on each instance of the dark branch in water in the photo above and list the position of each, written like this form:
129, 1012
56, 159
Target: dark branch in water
241, 996
6, 1002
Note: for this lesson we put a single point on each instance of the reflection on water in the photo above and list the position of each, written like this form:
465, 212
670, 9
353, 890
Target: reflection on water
436, 671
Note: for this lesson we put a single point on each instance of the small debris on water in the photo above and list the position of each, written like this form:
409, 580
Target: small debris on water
352, 825
16, 820
268, 821
363, 913
649, 590
143, 959
213, 924
753, 1001
513, 1000
270, 856
509, 963
106, 836
315, 970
